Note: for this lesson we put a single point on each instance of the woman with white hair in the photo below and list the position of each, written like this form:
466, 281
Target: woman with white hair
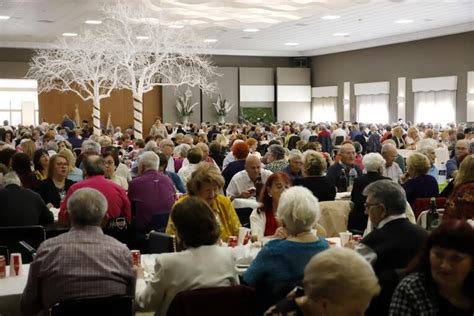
281, 262
426, 148
374, 166
330, 288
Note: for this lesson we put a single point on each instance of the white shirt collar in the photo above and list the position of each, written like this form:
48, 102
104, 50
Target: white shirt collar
389, 219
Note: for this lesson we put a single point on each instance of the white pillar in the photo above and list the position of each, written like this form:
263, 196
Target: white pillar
347, 101
401, 98
470, 97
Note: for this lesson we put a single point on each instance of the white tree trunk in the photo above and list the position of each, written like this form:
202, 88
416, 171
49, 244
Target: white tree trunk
96, 117
138, 116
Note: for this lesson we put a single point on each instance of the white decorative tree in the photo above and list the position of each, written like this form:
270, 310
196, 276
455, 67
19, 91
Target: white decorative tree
150, 54
81, 65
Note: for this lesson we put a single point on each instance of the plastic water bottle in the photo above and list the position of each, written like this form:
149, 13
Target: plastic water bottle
442, 173
352, 176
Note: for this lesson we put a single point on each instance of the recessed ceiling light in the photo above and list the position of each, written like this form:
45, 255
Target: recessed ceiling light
142, 37
210, 40
330, 17
292, 44
70, 34
343, 34
175, 26
93, 22
4, 17
403, 21
251, 30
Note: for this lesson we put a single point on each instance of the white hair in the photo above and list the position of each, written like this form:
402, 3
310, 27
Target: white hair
91, 147
298, 209
87, 207
425, 145
150, 146
149, 160
373, 162
295, 153
182, 150
10, 178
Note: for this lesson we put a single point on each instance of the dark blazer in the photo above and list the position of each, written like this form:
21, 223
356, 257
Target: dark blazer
334, 172
424, 186
358, 218
321, 187
231, 169
22, 207
49, 193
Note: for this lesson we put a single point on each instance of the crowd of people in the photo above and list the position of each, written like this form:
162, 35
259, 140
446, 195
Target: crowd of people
185, 181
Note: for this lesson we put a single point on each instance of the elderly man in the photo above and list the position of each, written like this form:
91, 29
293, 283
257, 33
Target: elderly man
391, 169
346, 163
80, 263
276, 158
245, 183
152, 193
295, 164
167, 147
117, 200
394, 242
20, 206
461, 149
205, 155
194, 158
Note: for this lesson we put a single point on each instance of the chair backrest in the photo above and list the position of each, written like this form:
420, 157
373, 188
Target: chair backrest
422, 204
313, 138
244, 216
292, 142
335, 216
238, 300
160, 242
111, 305
159, 221
10, 237
338, 140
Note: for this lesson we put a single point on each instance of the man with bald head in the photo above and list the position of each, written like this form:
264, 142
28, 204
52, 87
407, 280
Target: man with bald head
244, 183
346, 163
392, 170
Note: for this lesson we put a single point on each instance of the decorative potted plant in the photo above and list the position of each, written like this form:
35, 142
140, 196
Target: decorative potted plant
184, 107
222, 107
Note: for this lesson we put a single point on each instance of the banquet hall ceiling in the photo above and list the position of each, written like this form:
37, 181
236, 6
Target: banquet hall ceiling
254, 27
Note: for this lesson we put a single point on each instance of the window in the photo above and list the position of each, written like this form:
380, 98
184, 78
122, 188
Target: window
372, 108
324, 109
19, 101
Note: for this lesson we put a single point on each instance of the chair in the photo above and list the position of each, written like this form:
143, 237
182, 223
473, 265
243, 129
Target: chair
244, 216
335, 216
338, 144
292, 142
111, 305
10, 236
159, 222
160, 243
422, 204
238, 300
313, 138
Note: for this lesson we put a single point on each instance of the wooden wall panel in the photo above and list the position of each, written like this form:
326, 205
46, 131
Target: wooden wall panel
53, 105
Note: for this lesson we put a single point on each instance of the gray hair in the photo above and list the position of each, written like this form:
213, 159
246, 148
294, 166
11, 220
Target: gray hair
373, 162
277, 151
86, 207
182, 150
295, 153
10, 178
424, 146
149, 160
388, 193
325, 267
93, 165
52, 145
298, 209
91, 147
151, 146
387, 146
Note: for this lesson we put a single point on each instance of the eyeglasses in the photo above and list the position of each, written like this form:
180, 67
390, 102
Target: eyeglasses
369, 205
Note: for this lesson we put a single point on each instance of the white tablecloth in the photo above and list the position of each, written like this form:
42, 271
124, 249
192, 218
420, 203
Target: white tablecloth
11, 289
245, 203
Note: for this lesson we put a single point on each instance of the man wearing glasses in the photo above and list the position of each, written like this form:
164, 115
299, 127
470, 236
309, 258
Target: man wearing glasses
393, 243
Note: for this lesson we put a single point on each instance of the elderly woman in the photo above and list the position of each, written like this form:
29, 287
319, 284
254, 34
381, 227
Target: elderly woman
206, 183
460, 203
412, 138
74, 174
417, 183
203, 264
180, 152
64, 144
276, 158
426, 148
40, 162
263, 220
397, 136
442, 278
112, 161
374, 166
330, 288
194, 158
282, 262
54, 189
314, 167
295, 164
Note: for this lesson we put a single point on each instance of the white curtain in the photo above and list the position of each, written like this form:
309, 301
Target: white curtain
324, 109
435, 107
372, 108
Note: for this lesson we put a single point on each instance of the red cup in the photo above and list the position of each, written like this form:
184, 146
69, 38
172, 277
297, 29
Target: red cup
232, 241
136, 258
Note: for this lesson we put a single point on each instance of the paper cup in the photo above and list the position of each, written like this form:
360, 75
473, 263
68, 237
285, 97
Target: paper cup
345, 238
15, 264
244, 236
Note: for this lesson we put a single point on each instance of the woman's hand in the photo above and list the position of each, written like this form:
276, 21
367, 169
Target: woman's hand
281, 233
